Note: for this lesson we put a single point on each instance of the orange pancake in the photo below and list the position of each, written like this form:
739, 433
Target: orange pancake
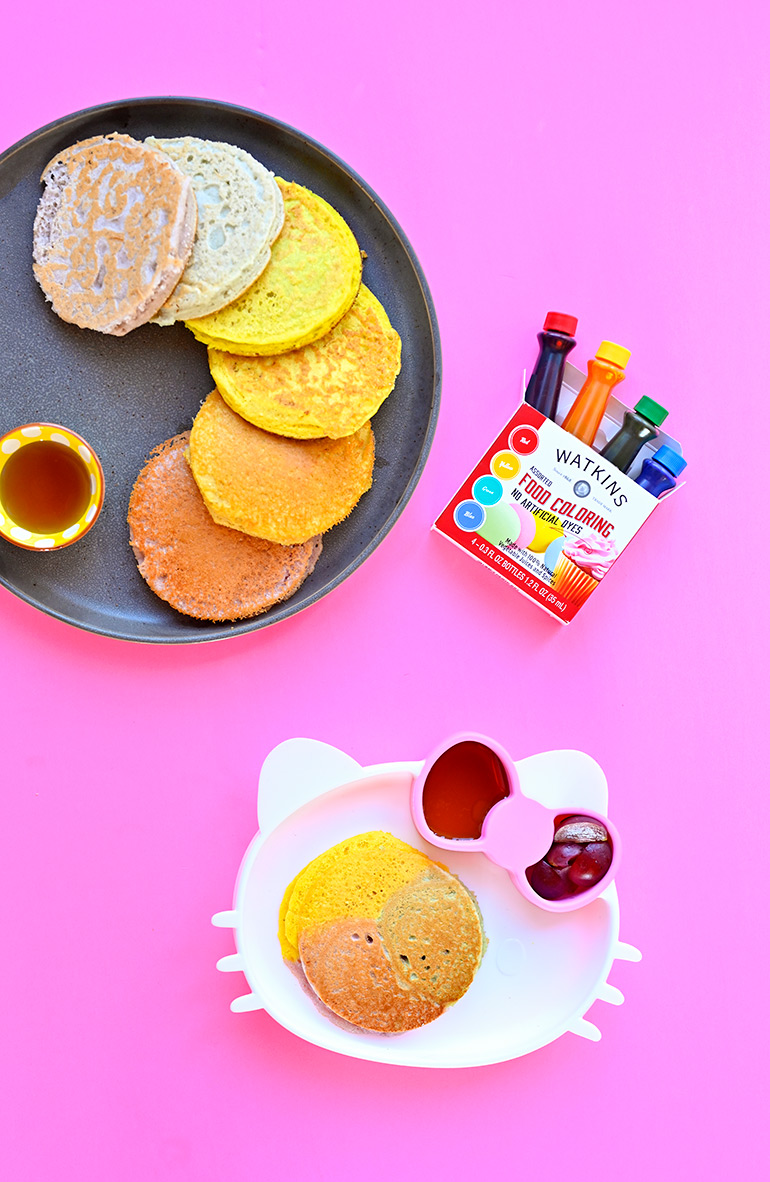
285, 490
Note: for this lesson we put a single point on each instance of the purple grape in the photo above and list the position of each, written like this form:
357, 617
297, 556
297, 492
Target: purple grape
562, 853
548, 882
601, 852
591, 865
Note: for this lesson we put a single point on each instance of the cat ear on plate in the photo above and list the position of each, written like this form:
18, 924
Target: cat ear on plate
295, 772
564, 779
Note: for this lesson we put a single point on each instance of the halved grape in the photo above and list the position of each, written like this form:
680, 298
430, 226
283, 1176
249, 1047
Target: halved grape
582, 829
548, 882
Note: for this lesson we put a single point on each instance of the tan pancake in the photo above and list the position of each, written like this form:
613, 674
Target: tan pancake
200, 568
331, 387
284, 490
432, 931
349, 970
310, 282
113, 231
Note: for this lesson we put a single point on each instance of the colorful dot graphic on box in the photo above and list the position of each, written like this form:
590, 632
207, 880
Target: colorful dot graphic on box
468, 516
527, 527
505, 465
508, 525
523, 440
551, 556
487, 490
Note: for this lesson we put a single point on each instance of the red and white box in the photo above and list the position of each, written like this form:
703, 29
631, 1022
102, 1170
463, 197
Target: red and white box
545, 512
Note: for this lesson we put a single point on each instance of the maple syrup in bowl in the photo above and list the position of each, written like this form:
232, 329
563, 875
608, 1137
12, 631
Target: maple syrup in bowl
463, 784
51, 486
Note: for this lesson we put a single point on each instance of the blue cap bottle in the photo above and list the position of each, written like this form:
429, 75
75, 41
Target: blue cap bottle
659, 473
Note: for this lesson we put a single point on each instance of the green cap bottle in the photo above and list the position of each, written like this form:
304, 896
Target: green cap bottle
640, 425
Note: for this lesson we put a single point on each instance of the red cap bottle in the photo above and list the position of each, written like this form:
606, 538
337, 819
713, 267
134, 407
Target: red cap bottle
556, 341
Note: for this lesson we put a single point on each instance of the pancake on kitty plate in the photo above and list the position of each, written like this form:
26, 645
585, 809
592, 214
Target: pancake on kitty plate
386, 938
541, 975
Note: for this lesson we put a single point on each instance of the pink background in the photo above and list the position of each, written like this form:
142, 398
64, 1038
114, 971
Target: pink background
602, 159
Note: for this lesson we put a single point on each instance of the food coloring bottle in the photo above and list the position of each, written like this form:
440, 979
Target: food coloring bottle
640, 425
605, 371
660, 472
556, 340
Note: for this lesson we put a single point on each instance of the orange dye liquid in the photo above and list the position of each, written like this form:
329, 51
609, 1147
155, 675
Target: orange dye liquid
460, 789
584, 417
45, 487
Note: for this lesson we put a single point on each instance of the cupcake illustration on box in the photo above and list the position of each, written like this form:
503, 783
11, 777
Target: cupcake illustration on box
581, 565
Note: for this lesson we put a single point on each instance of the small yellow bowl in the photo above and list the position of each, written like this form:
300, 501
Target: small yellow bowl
71, 531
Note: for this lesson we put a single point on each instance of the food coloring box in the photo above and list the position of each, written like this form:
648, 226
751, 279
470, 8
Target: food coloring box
545, 511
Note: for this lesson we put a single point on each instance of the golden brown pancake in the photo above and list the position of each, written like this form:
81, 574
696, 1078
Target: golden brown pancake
284, 490
350, 971
200, 568
310, 282
331, 387
113, 231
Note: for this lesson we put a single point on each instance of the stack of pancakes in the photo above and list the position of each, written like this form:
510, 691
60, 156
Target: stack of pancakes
283, 448
384, 938
268, 276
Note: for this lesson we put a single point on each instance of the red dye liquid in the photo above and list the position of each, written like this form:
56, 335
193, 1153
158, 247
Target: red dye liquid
460, 789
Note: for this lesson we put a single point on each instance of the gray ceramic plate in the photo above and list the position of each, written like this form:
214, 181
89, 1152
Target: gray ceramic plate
125, 395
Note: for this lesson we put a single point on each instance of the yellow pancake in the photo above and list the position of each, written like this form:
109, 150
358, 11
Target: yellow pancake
355, 877
310, 282
330, 387
283, 490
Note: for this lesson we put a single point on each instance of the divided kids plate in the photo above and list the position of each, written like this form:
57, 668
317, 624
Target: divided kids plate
126, 395
541, 971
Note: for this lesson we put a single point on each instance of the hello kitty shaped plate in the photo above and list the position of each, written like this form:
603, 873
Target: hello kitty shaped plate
541, 971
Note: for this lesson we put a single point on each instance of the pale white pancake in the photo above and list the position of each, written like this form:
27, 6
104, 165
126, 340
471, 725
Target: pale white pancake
240, 214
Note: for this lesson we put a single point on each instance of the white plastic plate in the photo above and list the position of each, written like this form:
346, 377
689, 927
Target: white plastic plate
541, 972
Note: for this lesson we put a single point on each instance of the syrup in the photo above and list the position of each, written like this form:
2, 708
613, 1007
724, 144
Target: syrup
45, 487
460, 789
